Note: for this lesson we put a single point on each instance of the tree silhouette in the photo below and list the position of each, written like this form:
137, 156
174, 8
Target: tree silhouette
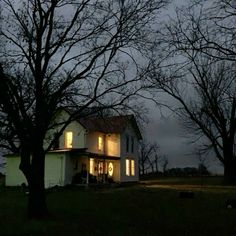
61, 53
200, 75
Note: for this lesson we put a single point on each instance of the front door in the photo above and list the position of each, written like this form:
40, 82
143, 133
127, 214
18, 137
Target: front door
102, 171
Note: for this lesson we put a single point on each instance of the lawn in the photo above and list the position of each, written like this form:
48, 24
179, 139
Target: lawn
138, 210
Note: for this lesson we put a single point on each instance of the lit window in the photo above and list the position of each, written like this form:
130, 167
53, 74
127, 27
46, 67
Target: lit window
110, 169
91, 166
127, 167
100, 167
100, 143
132, 168
112, 147
68, 139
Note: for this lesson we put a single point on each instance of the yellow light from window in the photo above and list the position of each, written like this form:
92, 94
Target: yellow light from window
100, 167
91, 166
68, 139
112, 147
110, 169
100, 143
132, 168
127, 167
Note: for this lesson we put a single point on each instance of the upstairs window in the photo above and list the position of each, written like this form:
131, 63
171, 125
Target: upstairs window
68, 139
132, 144
127, 143
127, 167
100, 143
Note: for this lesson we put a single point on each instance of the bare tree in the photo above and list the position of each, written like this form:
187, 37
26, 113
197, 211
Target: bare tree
148, 154
203, 163
156, 162
201, 43
164, 163
60, 53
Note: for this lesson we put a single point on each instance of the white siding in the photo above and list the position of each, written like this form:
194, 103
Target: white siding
111, 143
92, 142
78, 136
54, 170
130, 155
75, 127
14, 176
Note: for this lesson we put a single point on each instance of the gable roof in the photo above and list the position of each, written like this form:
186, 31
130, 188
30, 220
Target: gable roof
112, 124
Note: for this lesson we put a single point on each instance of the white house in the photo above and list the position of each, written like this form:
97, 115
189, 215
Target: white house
90, 150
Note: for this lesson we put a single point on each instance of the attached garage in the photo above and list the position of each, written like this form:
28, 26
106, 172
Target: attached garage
54, 170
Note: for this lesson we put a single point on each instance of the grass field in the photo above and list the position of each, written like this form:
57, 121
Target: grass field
138, 210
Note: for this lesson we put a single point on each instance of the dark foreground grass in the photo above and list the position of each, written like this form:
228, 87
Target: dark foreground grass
123, 211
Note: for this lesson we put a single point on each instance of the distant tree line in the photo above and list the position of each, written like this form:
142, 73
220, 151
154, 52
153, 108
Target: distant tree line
188, 171
201, 170
151, 162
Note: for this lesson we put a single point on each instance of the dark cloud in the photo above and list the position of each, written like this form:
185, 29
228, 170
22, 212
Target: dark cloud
163, 127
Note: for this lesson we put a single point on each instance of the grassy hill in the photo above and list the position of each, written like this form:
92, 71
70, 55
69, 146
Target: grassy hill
138, 210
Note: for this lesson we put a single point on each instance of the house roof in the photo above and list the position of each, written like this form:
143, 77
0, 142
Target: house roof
113, 124
93, 119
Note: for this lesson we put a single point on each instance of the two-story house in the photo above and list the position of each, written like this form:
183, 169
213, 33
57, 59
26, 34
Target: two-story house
90, 150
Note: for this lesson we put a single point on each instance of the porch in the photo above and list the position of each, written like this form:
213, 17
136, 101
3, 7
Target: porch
95, 169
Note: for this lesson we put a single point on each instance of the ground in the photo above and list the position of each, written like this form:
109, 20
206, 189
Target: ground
145, 209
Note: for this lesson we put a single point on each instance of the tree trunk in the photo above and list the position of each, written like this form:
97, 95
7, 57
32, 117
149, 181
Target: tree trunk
156, 163
34, 173
229, 163
230, 172
37, 207
142, 168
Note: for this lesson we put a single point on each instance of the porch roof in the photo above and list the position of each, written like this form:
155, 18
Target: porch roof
101, 156
76, 152
82, 152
